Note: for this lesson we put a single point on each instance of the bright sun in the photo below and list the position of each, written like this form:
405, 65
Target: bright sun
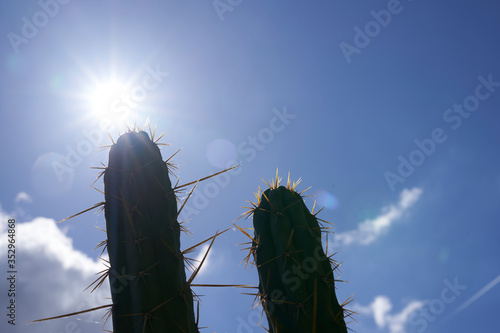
114, 99
106, 100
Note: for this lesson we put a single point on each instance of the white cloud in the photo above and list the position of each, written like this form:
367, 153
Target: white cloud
369, 230
23, 196
50, 279
380, 309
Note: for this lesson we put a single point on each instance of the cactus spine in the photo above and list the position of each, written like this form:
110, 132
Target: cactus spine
147, 274
296, 282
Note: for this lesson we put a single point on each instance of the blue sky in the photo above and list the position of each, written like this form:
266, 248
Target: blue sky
387, 109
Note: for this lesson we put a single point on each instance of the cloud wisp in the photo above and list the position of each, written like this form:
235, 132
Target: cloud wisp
369, 230
23, 196
380, 309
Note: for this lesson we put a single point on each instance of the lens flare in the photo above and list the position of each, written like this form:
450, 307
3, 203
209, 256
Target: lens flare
221, 153
326, 199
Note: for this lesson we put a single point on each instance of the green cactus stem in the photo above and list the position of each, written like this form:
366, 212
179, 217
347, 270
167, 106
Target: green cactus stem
296, 280
146, 266
147, 274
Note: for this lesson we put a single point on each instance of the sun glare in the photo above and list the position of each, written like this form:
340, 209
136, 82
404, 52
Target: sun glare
108, 100
112, 98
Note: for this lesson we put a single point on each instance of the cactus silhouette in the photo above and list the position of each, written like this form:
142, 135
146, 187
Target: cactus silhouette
147, 275
296, 281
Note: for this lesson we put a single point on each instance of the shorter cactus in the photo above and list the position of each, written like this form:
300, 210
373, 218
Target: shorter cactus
296, 281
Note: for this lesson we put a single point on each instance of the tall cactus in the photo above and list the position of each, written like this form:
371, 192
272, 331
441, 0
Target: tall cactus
146, 266
296, 281
147, 274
